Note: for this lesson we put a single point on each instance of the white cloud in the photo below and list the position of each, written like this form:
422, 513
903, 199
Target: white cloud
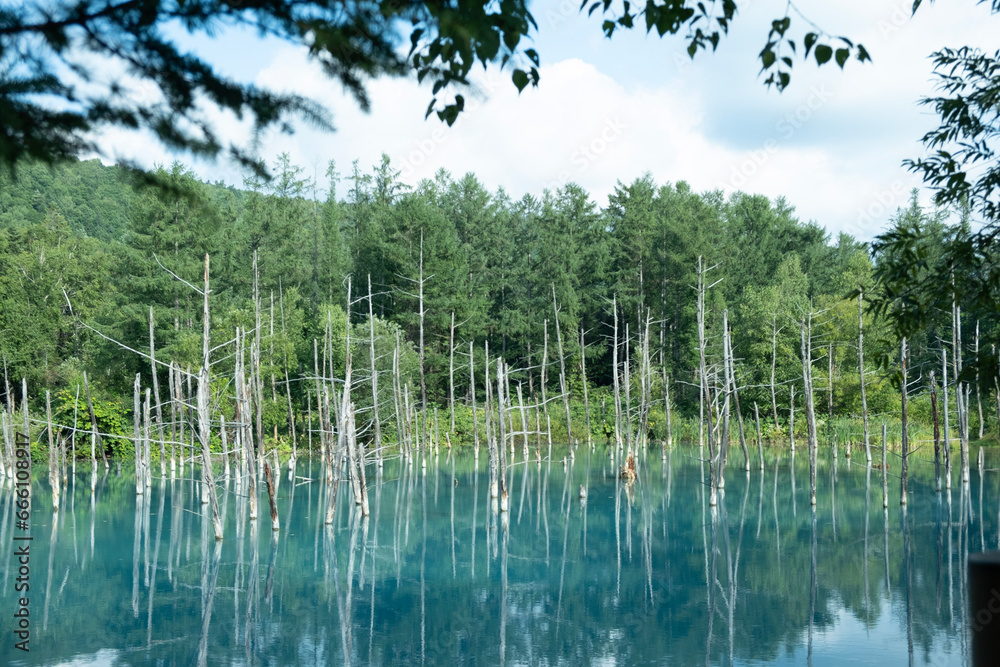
832, 144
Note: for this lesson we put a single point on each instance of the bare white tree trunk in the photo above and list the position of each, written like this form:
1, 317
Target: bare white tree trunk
810, 408
371, 347
861, 375
451, 372
583, 373
53, 456
140, 482
562, 370
204, 416
617, 388
703, 378
472, 390
979, 398
774, 363
944, 410
156, 395
905, 434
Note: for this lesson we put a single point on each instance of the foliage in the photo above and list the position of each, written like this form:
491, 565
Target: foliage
111, 418
51, 106
492, 261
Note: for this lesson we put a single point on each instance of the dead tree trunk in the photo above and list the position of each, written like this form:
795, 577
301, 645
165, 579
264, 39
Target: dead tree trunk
937, 436
204, 416
774, 363
905, 435
703, 378
791, 417
491, 441
156, 395
96, 434
451, 372
502, 426
472, 390
140, 483
586, 399
944, 410
979, 398
666, 405
617, 388
423, 381
269, 480
861, 375
545, 368
627, 412
960, 405
562, 370
258, 383
760, 442
810, 409
728, 345
53, 456
371, 347
885, 471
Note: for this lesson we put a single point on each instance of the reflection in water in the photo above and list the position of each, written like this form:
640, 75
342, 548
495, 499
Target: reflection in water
480, 585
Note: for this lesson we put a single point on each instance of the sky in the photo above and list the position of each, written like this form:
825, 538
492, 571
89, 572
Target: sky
608, 111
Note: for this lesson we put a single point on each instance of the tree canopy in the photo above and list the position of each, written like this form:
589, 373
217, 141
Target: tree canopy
71, 69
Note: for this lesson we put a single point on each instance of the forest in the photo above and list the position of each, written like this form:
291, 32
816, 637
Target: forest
95, 266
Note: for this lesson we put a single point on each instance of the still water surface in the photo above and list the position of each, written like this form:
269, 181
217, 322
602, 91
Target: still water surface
632, 575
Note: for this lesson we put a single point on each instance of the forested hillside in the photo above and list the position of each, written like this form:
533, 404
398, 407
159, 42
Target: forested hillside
84, 256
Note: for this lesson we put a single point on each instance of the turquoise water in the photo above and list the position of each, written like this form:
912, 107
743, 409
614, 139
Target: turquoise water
637, 574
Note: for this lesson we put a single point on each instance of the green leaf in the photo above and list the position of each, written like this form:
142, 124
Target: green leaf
767, 57
809, 40
842, 56
520, 79
823, 54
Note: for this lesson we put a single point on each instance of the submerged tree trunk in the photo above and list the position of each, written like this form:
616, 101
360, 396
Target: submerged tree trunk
703, 380
140, 482
53, 456
810, 410
728, 345
423, 379
156, 395
562, 370
491, 441
774, 363
617, 387
269, 480
204, 417
944, 410
586, 398
96, 434
979, 398
861, 375
451, 372
885, 480
472, 390
760, 442
371, 340
937, 436
905, 435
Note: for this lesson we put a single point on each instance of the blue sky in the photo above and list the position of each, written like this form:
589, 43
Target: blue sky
611, 110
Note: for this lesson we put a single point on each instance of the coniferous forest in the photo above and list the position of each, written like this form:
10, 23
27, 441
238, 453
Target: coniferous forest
97, 271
